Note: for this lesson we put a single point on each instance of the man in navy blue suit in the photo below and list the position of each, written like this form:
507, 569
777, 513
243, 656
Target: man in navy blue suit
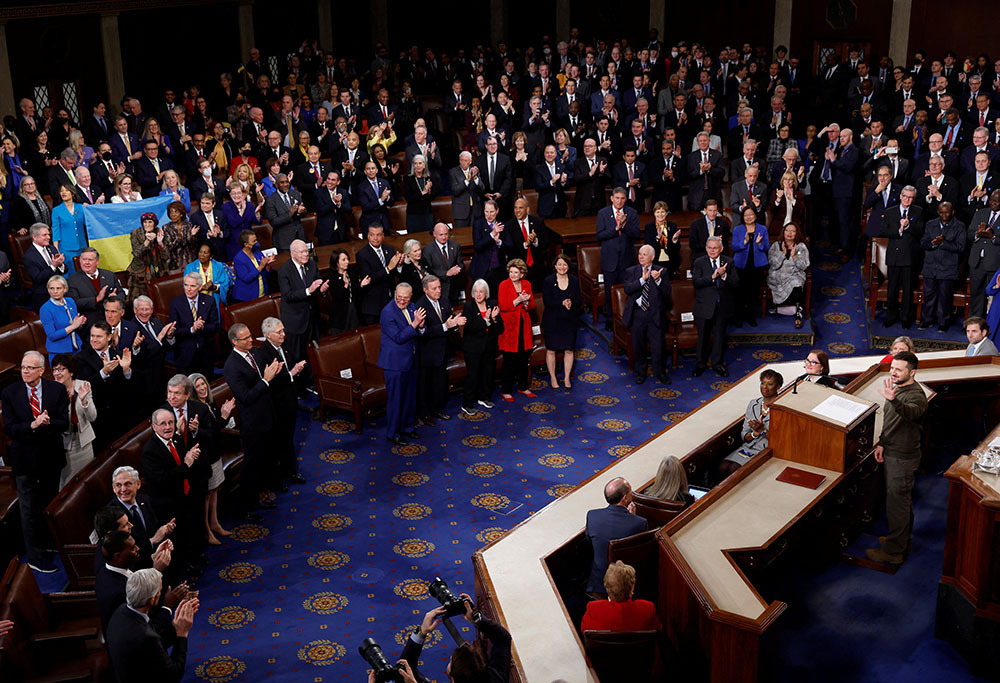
630, 174
617, 520
844, 163
125, 147
648, 290
402, 323
148, 169
617, 228
375, 197
35, 415
551, 179
197, 321
42, 261
432, 382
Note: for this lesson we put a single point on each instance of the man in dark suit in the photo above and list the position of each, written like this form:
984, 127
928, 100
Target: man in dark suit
284, 210
103, 171
274, 149
715, 284
90, 286
665, 174
739, 165
382, 111
350, 159
845, 164
61, 174
551, 179
150, 536
980, 143
983, 238
466, 191
347, 111
630, 174
443, 258
402, 323
617, 228
375, 197
976, 186
249, 381
527, 238
333, 211
125, 147
148, 365
617, 520
744, 131
936, 187
379, 262
880, 198
213, 228
704, 170
203, 182
137, 652
943, 244
96, 127
590, 175
903, 225
109, 372
648, 290
301, 287
432, 373
456, 103
148, 169
749, 193
170, 463
35, 415
498, 177
197, 320
42, 260
309, 176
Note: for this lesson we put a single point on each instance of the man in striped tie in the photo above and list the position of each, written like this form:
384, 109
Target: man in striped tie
35, 415
648, 290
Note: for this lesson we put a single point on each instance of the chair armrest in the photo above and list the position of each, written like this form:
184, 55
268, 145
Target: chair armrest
338, 389
79, 633
72, 605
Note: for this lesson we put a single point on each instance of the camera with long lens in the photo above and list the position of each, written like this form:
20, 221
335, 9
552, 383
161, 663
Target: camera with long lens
383, 668
454, 605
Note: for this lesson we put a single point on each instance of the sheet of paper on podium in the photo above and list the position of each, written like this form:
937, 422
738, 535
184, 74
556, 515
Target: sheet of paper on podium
840, 409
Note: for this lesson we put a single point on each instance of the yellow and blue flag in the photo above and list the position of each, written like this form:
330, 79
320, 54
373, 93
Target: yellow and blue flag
109, 225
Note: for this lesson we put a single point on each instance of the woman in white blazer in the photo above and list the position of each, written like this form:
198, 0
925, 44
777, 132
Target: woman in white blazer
79, 436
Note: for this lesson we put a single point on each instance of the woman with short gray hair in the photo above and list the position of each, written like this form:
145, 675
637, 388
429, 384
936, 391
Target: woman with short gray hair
483, 326
418, 188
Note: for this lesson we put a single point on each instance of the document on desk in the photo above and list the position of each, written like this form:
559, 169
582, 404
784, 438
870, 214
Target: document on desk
840, 409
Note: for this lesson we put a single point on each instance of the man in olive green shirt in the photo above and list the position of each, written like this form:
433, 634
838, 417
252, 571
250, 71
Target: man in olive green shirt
899, 448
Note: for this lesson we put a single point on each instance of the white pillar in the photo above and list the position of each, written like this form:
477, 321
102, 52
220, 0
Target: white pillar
782, 24
7, 102
113, 71
899, 31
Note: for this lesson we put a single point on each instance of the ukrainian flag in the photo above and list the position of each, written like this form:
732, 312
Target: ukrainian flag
109, 225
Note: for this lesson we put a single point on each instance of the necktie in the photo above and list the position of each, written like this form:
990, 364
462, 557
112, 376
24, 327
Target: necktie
302, 274
128, 145
406, 314
704, 160
971, 351
253, 363
182, 424
982, 118
524, 229
951, 133
194, 308
644, 297
288, 204
437, 310
137, 519
493, 161
444, 252
993, 219
375, 189
316, 173
631, 188
177, 460
156, 165
36, 407
381, 257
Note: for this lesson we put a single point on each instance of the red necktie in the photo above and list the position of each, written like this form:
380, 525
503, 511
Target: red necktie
177, 460
385, 113
182, 424
524, 229
982, 118
36, 408
252, 363
947, 142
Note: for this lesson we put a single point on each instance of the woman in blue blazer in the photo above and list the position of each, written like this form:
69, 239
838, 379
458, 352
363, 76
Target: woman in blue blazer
172, 188
69, 230
60, 319
750, 245
250, 268
214, 276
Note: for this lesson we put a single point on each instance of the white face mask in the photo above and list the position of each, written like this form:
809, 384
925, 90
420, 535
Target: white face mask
674, 53
207, 172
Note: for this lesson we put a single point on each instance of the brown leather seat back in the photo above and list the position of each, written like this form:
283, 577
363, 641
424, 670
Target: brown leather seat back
640, 553
162, 290
19, 244
252, 313
264, 236
27, 600
371, 338
397, 217
621, 655
309, 227
340, 352
618, 299
15, 339
655, 511
442, 209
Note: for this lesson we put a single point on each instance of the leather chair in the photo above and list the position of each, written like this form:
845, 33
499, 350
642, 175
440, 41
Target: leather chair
309, 227
591, 288
264, 236
879, 287
622, 656
621, 338
162, 290
570, 195
538, 350
346, 372
442, 209
252, 313
639, 551
15, 339
655, 511
532, 197
685, 333
19, 244
397, 217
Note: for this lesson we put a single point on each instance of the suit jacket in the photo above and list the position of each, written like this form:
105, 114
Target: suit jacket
603, 526
437, 263
307, 183
94, 131
434, 341
373, 212
713, 296
34, 452
877, 204
145, 174
110, 589
39, 272
138, 652
984, 252
941, 261
949, 193
844, 170
901, 250
191, 345
299, 310
617, 248
967, 159
619, 178
659, 295
551, 198
965, 187
665, 189
398, 350
286, 228
513, 241
332, 221
284, 395
81, 290
57, 177
119, 153
111, 393
741, 196
466, 197
986, 348
143, 529
164, 478
379, 291
503, 180
217, 244
589, 188
253, 400
200, 186
698, 233
697, 192
629, 615
483, 249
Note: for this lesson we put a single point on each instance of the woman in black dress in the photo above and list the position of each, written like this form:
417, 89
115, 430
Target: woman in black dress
412, 270
345, 290
664, 237
561, 296
419, 191
483, 325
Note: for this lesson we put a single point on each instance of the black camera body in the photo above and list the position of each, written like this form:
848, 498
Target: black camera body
384, 670
454, 605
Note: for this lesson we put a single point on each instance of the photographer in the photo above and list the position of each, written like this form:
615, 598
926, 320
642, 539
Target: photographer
468, 662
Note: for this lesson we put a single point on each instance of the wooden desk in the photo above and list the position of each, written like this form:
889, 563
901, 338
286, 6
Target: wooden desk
968, 607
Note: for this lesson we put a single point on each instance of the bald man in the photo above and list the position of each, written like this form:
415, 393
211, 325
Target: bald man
310, 175
617, 520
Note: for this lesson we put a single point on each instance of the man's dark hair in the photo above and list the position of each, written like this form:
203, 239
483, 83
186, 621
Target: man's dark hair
467, 664
106, 519
974, 320
908, 358
113, 543
102, 326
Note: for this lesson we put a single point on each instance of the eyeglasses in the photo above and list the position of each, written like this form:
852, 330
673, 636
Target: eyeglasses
32, 367
812, 362
246, 338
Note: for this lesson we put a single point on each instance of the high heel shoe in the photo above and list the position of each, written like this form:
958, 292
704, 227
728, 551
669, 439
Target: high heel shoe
212, 540
221, 532
554, 384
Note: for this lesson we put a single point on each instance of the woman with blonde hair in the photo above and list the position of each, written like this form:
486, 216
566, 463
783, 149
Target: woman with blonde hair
172, 187
620, 612
412, 271
221, 416
671, 482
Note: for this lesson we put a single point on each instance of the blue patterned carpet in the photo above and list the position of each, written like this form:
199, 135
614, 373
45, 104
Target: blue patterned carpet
348, 556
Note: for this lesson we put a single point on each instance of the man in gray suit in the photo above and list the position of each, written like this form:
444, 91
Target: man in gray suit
443, 257
466, 192
749, 194
284, 210
984, 252
977, 331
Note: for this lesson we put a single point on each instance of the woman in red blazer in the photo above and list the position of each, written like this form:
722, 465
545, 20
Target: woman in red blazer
620, 612
515, 300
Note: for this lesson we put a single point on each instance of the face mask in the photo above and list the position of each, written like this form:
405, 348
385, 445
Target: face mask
106, 156
674, 53
207, 172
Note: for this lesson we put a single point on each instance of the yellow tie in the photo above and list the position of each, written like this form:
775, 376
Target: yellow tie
406, 313
194, 310
128, 145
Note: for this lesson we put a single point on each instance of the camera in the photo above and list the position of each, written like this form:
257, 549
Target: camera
372, 653
454, 605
